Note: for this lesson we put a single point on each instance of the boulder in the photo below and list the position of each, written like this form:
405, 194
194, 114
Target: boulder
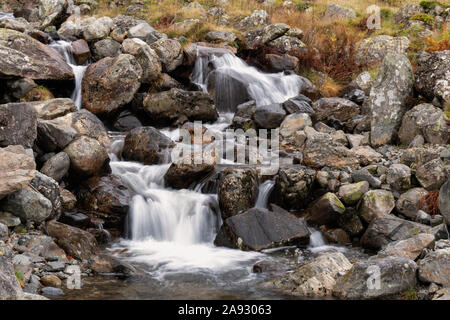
57, 166
398, 177
444, 201
410, 248
9, 286
335, 11
238, 189
263, 35
435, 267
146, 145
54, 108
87, 156
76, 243
286, 44
169, 106
141, 31
426, 120
281, 62
53, 12
97, 28
388, 97
258, 229
417, 156
110, 83
407, 202
54, 135
170, 53
433, 174
106, 48
363, 82
407, 11
293, 123
376, 48
49, 188
298, 104
17, 169
269, 116
146, 57
376, 203
350, 194
23, 56
126, 121
257, 18
332, 109
220, 36
80, 51
377, 278
182, 176
4, 232
385, 229
325, 210
18, 124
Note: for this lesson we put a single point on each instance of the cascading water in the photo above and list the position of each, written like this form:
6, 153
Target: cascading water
265, 189
64, 48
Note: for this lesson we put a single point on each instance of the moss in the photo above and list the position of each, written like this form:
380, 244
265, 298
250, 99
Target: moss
430, 5
426, 18
20, 278
410, 294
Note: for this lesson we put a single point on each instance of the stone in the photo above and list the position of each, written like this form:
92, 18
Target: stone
387, 100
426, 120
54, 135
269, 116
21, 87
325, 210
77, 243
98, 29
350, 194
298, 104
110, 83
17, 169
238, 190
170, 53
220, 36
398, 177
87, 156
444, 201
53, 12
49, 188
23, 56
19, 124
126, 121
407, 11
54, 108
258, 229
366, 155
263, 35
396, 275
407, 202
10, 287
50, 280
363, 81
52, 292
4, 232
57, 166
335, 11
182, 176
410, 248
432, 175
435, 267
146, 57
417, 157
80, 51
9, 220
375, 48
106, 48
141, 31
293, 123
257, 18
376, 203
351, 223
146, 145
385, 229
286, 44
281, 62
328, 109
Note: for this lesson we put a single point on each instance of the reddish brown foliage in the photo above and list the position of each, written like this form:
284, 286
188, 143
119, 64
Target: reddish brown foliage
429, 203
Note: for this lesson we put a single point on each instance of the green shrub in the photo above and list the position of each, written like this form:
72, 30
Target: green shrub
426, 18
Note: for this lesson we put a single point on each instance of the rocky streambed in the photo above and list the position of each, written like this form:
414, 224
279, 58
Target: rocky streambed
93, 203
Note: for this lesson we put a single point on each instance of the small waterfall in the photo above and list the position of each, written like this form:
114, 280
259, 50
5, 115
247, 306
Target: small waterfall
64, 48
235, 82
265, 189
6, 15
318, 244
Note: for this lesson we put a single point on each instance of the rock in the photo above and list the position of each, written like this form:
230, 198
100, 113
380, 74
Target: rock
126, 121
282, 62
4, 232
77, 243
298, 104
385, 229
325, 210
80, 51
263, 35
87, 156
146, 57
105, 263
53, 108
17, 23
49, 188
257, 18
376, 203
110, 83
435, 267
52, 292
362, 82
407, 11
350, 223
220, 36
357, 96
170, 53
351, 193
106, 48
238, 189
444, 201
9, 220
68, 199
19, 124
170, 106
285, 44
17, 169
417, 157
335, 109
146, 145
28, 205
50, 280
292, 187
388, 96
442, 294
53, 12
57, 166
366, 154
316, 278
293, 123
54, 135
9, 288
398, 177
23, 56
355, 140
335, 11
182, 176
366, 174
377, 278
409, 248
407, 202
376, 48
141, 31
432, 74
21, 87
432, 175
258, 229
426, 120
98, 29
269, 116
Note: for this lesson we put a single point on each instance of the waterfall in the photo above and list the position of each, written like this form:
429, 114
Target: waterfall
233, 82
64, 48
265, 189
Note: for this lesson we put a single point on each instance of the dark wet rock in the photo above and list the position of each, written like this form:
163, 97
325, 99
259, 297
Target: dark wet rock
182, 176
356, 95
269, 116
18, 124
238, 189
325, 210
110, 83
57, 166
146, 145
126, 121
300, 103
54, 135
350, 223
258, 229
269, 267
107, 264
75, 219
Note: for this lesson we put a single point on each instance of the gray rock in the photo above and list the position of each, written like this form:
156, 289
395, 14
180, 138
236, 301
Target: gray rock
9, 219
49, 188
398, 177
404, 13
52, 292
407, 202
269, 116
365, 175
19, 124
53, 12
375, 49
432, 175
106, 48
54, 108
325, 210
293, 123
257, 18
4, 232
329, 109
351, 193
335, 11
435, 267
57, 166
220, 36
54, 135
444, 201
410, 248
170, 53
146, 57
298, 104
97, 29
376, 203
9, 286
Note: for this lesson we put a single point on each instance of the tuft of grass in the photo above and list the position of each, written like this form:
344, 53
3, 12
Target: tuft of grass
426, 18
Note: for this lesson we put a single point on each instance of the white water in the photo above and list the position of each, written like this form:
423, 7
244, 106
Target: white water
318, 244
6, 15
265, 189
64, 48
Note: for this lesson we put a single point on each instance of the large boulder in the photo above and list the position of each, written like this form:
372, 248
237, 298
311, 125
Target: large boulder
325, 210
314, 279
410, 248
258, 229
54, 135
77, 243
376, 203
377, 278
106, 48
335, 11
257, 18
269, 116
182, 176
350, 194
23, 56
435, 267
87, 156
170, 106
293, 123
298, 104
407, 202
444, 201
53, 12
332, 109
433, 174
432, 76
293, 186
170, 53
385, 229
425, 120
376, 48
9, 285
110, 83
54, 108
97, 29
146, 57
261, 36
398, 176
146, 145
49, 188
17, 169
238, 189
388, 97
57, 166
18, 124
